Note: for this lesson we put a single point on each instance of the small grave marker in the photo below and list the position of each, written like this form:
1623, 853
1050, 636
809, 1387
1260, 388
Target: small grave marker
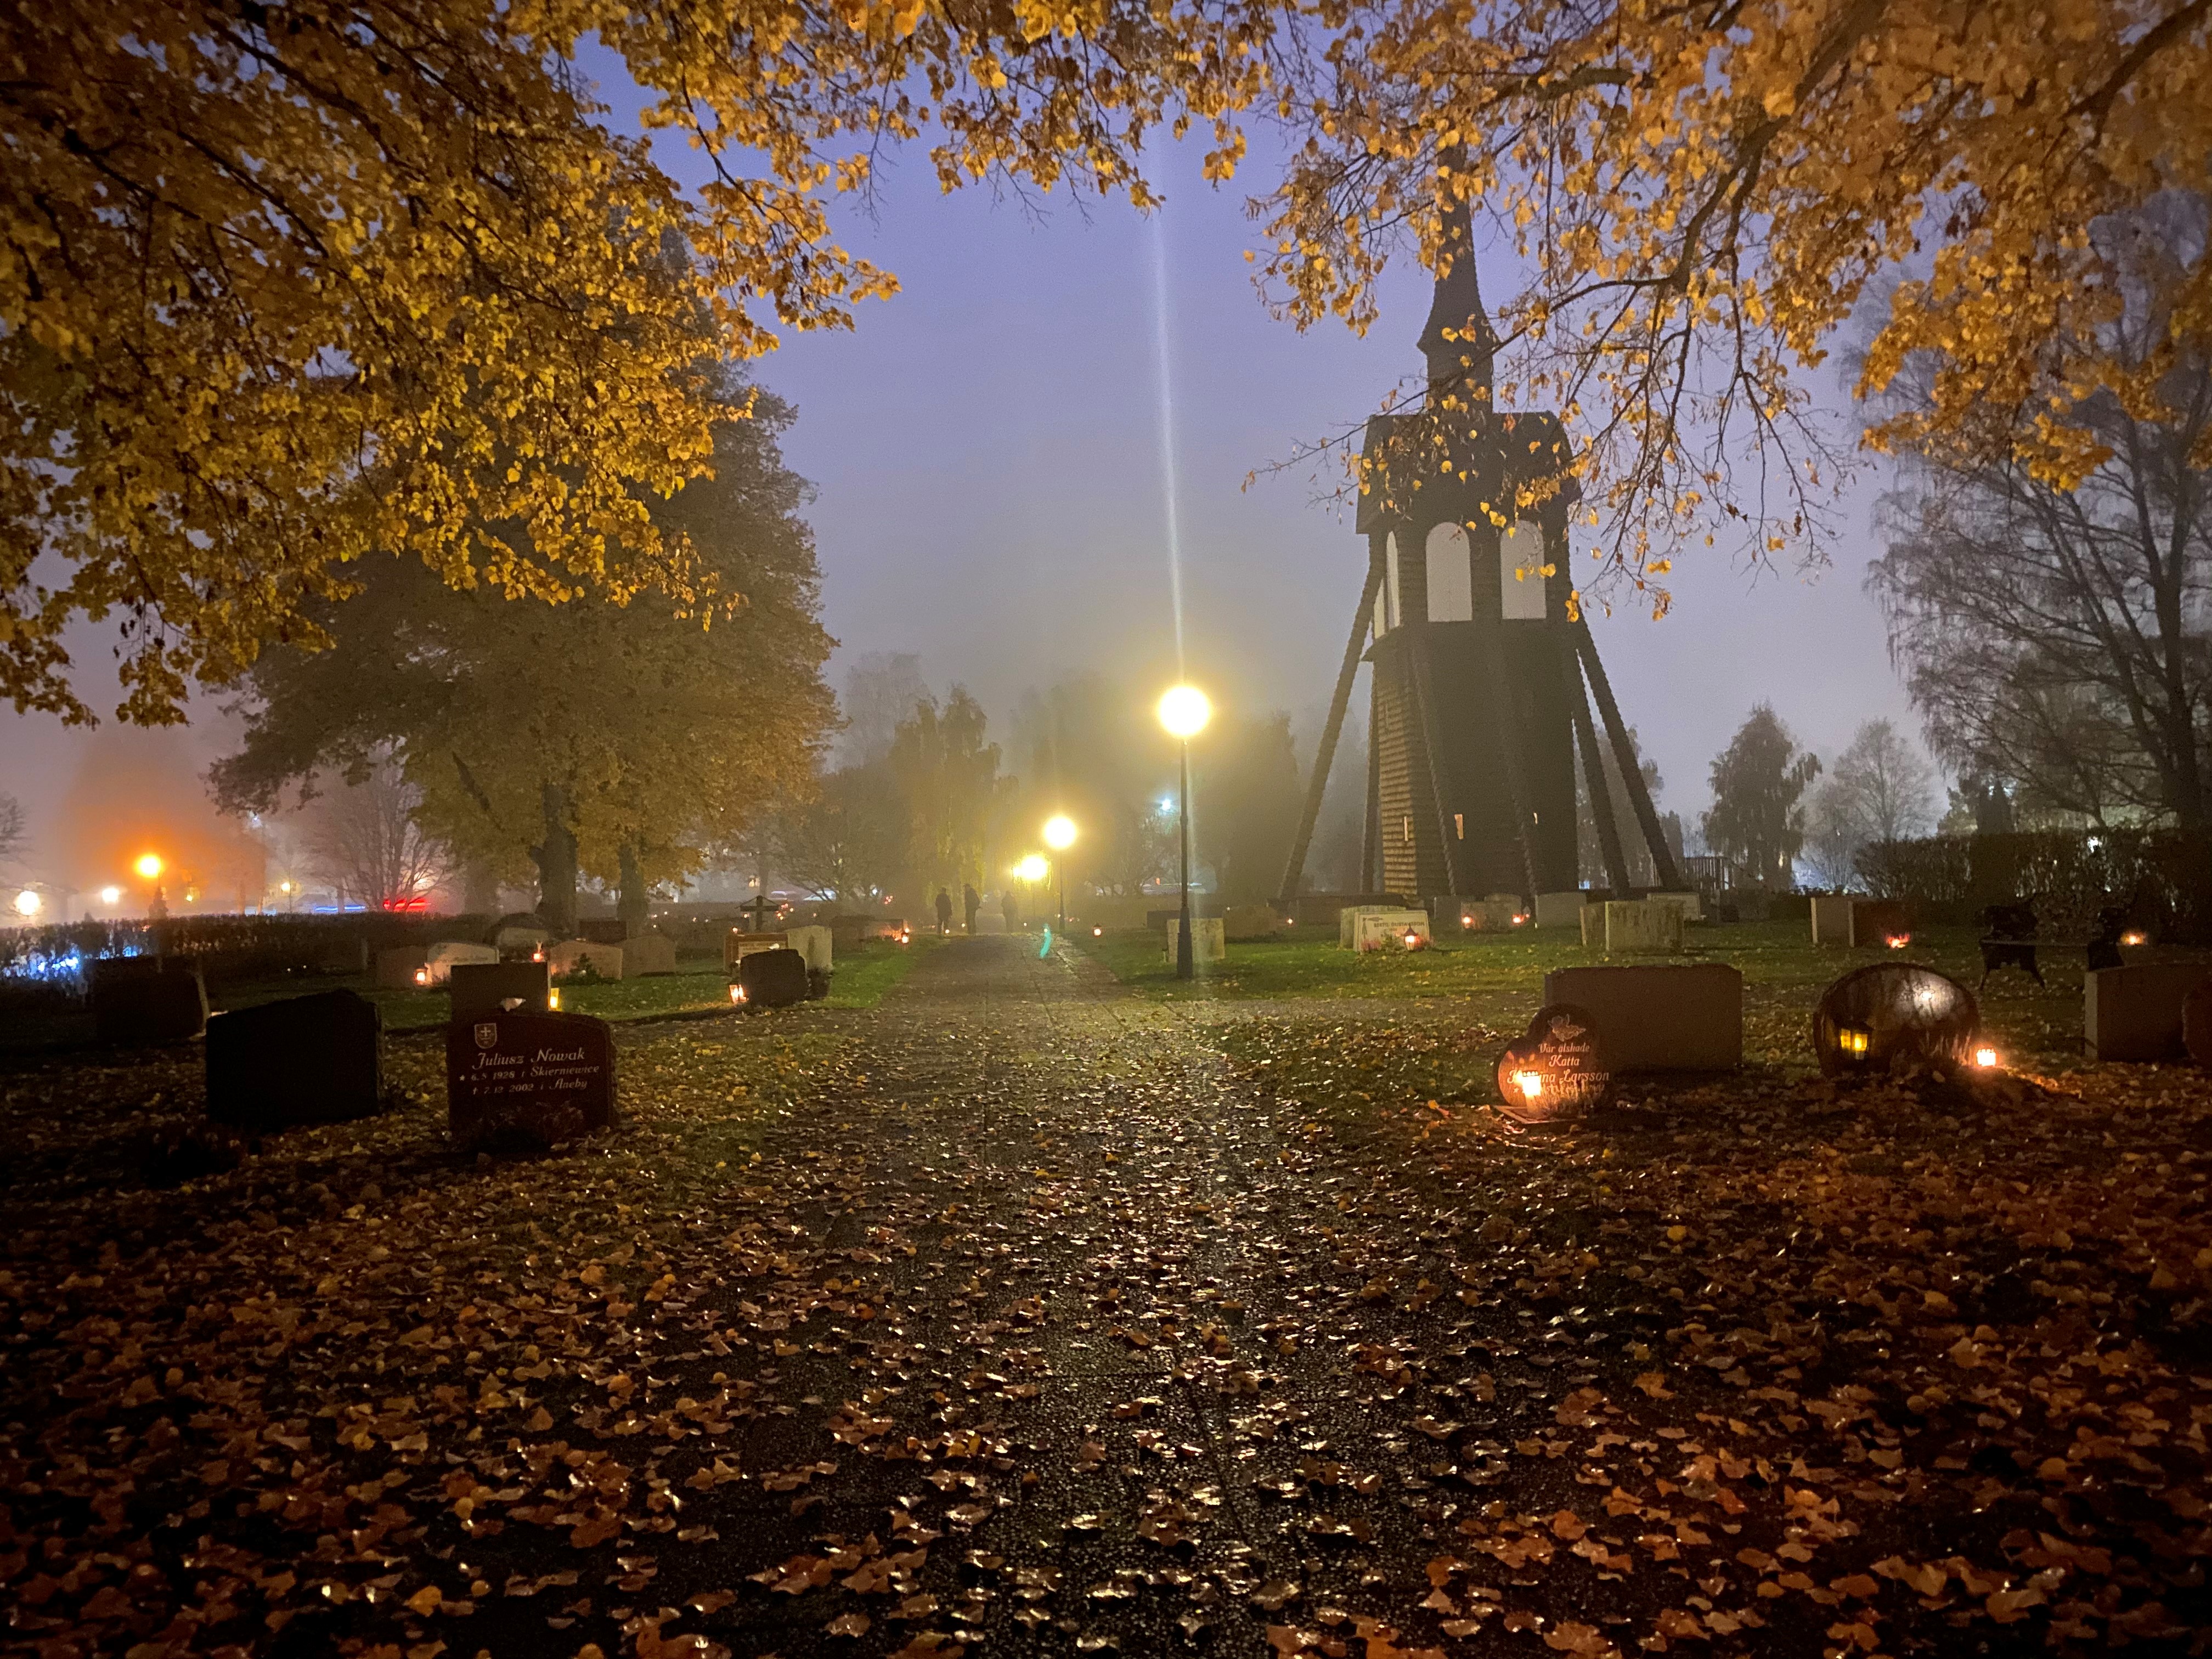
1555, 1072
774, 978
528, 1081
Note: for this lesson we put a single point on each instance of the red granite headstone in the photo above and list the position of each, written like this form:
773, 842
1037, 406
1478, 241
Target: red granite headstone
523, 1081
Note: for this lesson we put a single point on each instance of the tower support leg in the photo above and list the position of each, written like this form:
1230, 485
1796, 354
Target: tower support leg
1370, 836
1601, 792
1325, 752
1631, 770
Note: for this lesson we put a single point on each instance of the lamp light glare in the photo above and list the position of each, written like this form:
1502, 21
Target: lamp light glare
553, 1000
1059, 832
111, 895
1032, 867
1412, 940
2134, 938
28, 904
1530, 1084
149, 865
1098, 932
1184, 710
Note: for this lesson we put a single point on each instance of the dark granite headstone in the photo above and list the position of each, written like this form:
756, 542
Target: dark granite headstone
773, 979
1891, 1014
147, 1000
484, 988
526, 1081
1556, 1071
305, 1060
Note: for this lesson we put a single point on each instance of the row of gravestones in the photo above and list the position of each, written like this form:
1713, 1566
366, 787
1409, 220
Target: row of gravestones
1598, 1022
636, 957
1653, 925
517, 1075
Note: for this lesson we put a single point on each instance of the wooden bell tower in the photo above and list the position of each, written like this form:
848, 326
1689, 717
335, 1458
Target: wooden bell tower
1479, 700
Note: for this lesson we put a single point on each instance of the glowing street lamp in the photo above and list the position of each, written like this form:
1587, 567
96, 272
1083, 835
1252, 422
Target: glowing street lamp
1060, 835
28, 904
149, 865
111, 895
1184, 712
1032, 867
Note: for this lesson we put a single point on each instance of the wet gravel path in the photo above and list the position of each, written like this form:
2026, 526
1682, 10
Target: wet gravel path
1127, 1376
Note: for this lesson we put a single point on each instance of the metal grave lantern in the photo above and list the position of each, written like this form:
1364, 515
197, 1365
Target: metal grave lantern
1556, 1071
1891, 1014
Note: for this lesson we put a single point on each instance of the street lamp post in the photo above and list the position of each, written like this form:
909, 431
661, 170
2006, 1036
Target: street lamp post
1184, 711
1060, 835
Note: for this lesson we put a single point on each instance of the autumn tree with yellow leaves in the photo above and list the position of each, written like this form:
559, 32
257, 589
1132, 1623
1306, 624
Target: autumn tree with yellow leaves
282, 284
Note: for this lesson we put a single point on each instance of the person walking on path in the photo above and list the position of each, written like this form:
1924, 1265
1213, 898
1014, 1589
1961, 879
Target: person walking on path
974, 903
944, 912
1010, 906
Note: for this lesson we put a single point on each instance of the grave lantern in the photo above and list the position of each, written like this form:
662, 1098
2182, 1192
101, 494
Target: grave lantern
1891, 1014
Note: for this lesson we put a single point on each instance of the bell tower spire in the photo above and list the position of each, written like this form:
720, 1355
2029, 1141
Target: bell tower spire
1461, 364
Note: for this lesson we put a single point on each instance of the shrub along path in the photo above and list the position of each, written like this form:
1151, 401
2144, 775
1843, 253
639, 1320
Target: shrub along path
1018, 1315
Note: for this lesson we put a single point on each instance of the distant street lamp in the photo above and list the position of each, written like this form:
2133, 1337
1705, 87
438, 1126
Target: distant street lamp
1060, 835
149, 865
111, 895
1184, 712
28, 904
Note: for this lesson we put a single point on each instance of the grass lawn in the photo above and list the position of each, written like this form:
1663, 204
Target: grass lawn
1499, 979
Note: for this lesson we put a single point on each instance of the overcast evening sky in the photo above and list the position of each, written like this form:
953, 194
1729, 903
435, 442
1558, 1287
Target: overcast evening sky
987, 450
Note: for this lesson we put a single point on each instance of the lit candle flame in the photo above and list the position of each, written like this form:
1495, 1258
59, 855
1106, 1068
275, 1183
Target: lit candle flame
1985, 1057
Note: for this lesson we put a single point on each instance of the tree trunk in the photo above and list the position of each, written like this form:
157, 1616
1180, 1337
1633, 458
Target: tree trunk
635, 905
480, 888
556, 864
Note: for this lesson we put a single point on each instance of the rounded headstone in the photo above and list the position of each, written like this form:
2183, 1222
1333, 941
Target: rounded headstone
1893, 1013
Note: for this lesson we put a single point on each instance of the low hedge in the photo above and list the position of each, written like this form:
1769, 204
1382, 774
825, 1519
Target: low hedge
229, 948
2162, 877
